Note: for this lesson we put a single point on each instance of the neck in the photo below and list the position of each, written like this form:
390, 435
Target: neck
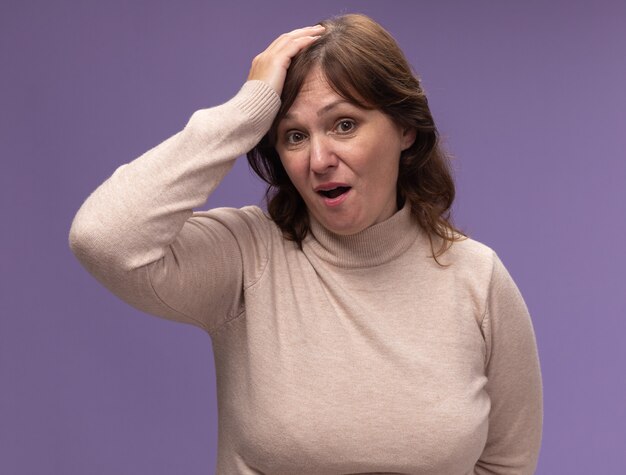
373, 246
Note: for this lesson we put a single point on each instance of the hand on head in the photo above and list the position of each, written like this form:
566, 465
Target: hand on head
271, 65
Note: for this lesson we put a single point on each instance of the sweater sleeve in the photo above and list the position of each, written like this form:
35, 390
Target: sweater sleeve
513, 381
137, 232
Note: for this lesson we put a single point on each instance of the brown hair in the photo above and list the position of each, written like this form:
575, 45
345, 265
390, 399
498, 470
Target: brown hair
363, 63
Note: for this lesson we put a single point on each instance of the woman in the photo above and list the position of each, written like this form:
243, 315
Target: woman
354, 329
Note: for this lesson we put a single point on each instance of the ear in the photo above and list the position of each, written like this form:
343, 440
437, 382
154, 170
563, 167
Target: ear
408, 137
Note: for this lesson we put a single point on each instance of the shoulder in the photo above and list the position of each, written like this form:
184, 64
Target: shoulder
470, 266
480, 264
249, 225
481, 267
247, 234
480, 259
237, 218
246, 225
471, 256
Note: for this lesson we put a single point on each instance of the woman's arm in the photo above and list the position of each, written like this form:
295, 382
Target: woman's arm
514, 382
136, 233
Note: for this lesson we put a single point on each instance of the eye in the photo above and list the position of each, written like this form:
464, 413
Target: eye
293, 137
345, 126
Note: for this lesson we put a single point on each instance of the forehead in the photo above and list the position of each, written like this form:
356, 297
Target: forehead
315, 88
316, 97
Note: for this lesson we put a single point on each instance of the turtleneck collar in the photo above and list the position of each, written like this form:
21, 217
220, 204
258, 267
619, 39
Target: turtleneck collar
373, 246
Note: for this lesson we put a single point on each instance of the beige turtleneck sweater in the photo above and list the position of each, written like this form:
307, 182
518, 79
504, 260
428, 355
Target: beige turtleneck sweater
356, 354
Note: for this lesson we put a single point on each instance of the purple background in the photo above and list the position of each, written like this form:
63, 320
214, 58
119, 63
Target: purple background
530, 99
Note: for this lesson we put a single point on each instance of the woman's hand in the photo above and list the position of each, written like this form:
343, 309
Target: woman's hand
271, 65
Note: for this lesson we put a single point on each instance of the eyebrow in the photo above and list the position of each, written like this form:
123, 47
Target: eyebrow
323, 110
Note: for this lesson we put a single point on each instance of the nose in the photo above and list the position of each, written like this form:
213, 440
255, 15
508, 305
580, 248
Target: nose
322, 155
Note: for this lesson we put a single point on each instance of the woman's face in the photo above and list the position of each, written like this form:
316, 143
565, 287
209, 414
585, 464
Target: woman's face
342, 159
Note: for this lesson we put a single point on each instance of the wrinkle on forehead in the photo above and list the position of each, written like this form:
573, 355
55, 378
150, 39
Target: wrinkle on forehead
317, 93
315, 76
342, 89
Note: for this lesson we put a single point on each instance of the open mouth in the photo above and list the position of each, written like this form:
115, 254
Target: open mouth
335, 192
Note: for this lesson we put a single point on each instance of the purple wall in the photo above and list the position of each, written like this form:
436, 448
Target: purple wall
529, 95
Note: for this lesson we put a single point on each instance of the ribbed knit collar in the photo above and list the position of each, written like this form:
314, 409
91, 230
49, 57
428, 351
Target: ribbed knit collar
373, 246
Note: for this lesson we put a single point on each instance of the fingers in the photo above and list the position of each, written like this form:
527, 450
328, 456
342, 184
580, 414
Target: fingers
308, 31
287, 45
271, 65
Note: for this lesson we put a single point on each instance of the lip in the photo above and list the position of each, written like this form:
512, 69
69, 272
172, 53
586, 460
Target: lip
330, 185
332, 202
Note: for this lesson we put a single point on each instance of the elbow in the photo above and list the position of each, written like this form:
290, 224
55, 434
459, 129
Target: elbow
77, 237
78, 240
103, 248
84, 241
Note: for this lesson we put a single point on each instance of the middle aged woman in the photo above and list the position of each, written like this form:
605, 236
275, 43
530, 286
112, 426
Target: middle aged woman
354, 329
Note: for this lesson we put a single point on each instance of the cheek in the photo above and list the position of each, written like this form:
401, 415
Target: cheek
383, 171
296, 169
384, 160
